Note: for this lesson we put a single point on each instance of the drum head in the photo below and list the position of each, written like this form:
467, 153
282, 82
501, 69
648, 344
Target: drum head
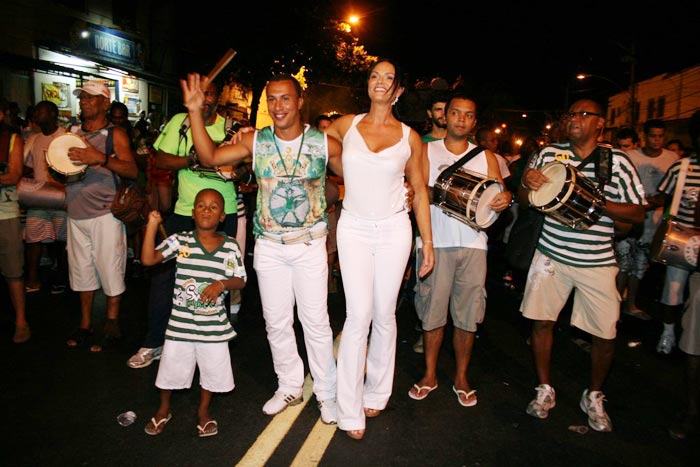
485, 216
556, 173
57, 154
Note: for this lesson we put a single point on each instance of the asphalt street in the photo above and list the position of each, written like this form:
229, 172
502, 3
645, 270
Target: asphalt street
62, 404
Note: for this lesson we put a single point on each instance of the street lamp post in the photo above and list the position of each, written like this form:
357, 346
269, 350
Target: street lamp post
630, 104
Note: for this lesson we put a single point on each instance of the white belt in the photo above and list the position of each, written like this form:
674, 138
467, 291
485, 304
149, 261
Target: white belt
299, 236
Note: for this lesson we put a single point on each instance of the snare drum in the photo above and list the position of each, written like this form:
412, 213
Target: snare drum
675, 245
61, 167
569, 197
467, 196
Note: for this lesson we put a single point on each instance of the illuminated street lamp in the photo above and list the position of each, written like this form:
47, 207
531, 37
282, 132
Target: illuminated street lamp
622, 89
582, 76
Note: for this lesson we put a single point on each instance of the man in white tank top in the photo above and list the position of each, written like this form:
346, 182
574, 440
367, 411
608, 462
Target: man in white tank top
458, 279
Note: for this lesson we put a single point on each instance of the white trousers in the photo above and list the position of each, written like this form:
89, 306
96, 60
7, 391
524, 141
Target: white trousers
288, 274
373, 257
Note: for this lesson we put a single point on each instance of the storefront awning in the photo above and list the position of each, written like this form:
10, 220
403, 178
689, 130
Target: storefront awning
21, 62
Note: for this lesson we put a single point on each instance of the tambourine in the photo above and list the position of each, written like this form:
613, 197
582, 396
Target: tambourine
61, 167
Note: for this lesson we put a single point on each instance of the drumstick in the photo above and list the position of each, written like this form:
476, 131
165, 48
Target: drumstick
228, 56
162, 232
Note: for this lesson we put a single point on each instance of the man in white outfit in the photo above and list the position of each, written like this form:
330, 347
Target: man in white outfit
290, 228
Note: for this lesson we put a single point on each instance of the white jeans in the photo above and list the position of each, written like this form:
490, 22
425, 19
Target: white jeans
288, 274
373, 257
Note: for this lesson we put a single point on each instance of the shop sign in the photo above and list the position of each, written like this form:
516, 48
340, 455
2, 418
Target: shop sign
113, 46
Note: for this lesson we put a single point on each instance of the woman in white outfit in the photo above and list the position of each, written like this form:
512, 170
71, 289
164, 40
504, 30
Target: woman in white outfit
374, 241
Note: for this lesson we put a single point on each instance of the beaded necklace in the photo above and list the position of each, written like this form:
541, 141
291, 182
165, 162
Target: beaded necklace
296, 162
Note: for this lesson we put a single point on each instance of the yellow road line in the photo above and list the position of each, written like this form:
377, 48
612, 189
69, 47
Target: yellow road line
316, 442
266, 443
315, 445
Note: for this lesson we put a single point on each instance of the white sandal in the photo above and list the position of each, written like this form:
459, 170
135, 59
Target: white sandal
158, 426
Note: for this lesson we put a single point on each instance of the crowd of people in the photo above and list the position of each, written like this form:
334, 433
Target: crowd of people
355, 194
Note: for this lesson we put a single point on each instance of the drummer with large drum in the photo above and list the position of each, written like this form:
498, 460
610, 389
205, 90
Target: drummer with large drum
579, 257
96, 239
45, 200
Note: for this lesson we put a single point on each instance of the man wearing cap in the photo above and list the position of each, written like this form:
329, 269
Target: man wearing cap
96, 239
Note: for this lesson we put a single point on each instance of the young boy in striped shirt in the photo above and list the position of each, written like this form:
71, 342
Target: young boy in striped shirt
209, 263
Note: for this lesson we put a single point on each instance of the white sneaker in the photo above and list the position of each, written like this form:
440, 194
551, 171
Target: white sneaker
544, 401
144, 357
592, 405
666, 343
328, 411
280, 401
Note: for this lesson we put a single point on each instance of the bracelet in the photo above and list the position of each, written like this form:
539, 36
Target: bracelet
428, 241
522, 184
222, 285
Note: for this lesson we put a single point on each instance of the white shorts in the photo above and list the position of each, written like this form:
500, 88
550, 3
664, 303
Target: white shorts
179, 360
596, 307
97, 254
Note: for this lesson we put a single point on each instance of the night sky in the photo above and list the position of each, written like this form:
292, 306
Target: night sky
527, 50
531, 48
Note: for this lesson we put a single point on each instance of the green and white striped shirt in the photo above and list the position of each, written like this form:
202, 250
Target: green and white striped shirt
592, 247
190, 319
689, 198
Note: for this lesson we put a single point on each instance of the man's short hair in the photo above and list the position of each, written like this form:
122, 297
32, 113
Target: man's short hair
654, 123
287, 77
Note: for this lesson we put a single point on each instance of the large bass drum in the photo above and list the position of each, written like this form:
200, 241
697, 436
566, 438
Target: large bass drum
61, 167
41, 195
466, 196
569, 196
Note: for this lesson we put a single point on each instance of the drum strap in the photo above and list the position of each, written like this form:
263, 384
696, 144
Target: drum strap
447, 173
602, 165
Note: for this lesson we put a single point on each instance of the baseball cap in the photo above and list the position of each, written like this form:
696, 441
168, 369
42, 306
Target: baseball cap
94, 88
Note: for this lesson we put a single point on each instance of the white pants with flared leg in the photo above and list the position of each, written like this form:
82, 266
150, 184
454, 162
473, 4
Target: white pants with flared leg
373, 257
289, 273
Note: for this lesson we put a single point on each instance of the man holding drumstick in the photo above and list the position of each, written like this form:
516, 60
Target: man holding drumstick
174, 152
583, 260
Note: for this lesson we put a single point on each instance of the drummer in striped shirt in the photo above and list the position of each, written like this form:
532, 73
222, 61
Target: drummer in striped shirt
581, 260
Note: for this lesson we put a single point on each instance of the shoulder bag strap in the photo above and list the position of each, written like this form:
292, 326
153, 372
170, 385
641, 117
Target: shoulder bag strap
447, 173
679, 187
